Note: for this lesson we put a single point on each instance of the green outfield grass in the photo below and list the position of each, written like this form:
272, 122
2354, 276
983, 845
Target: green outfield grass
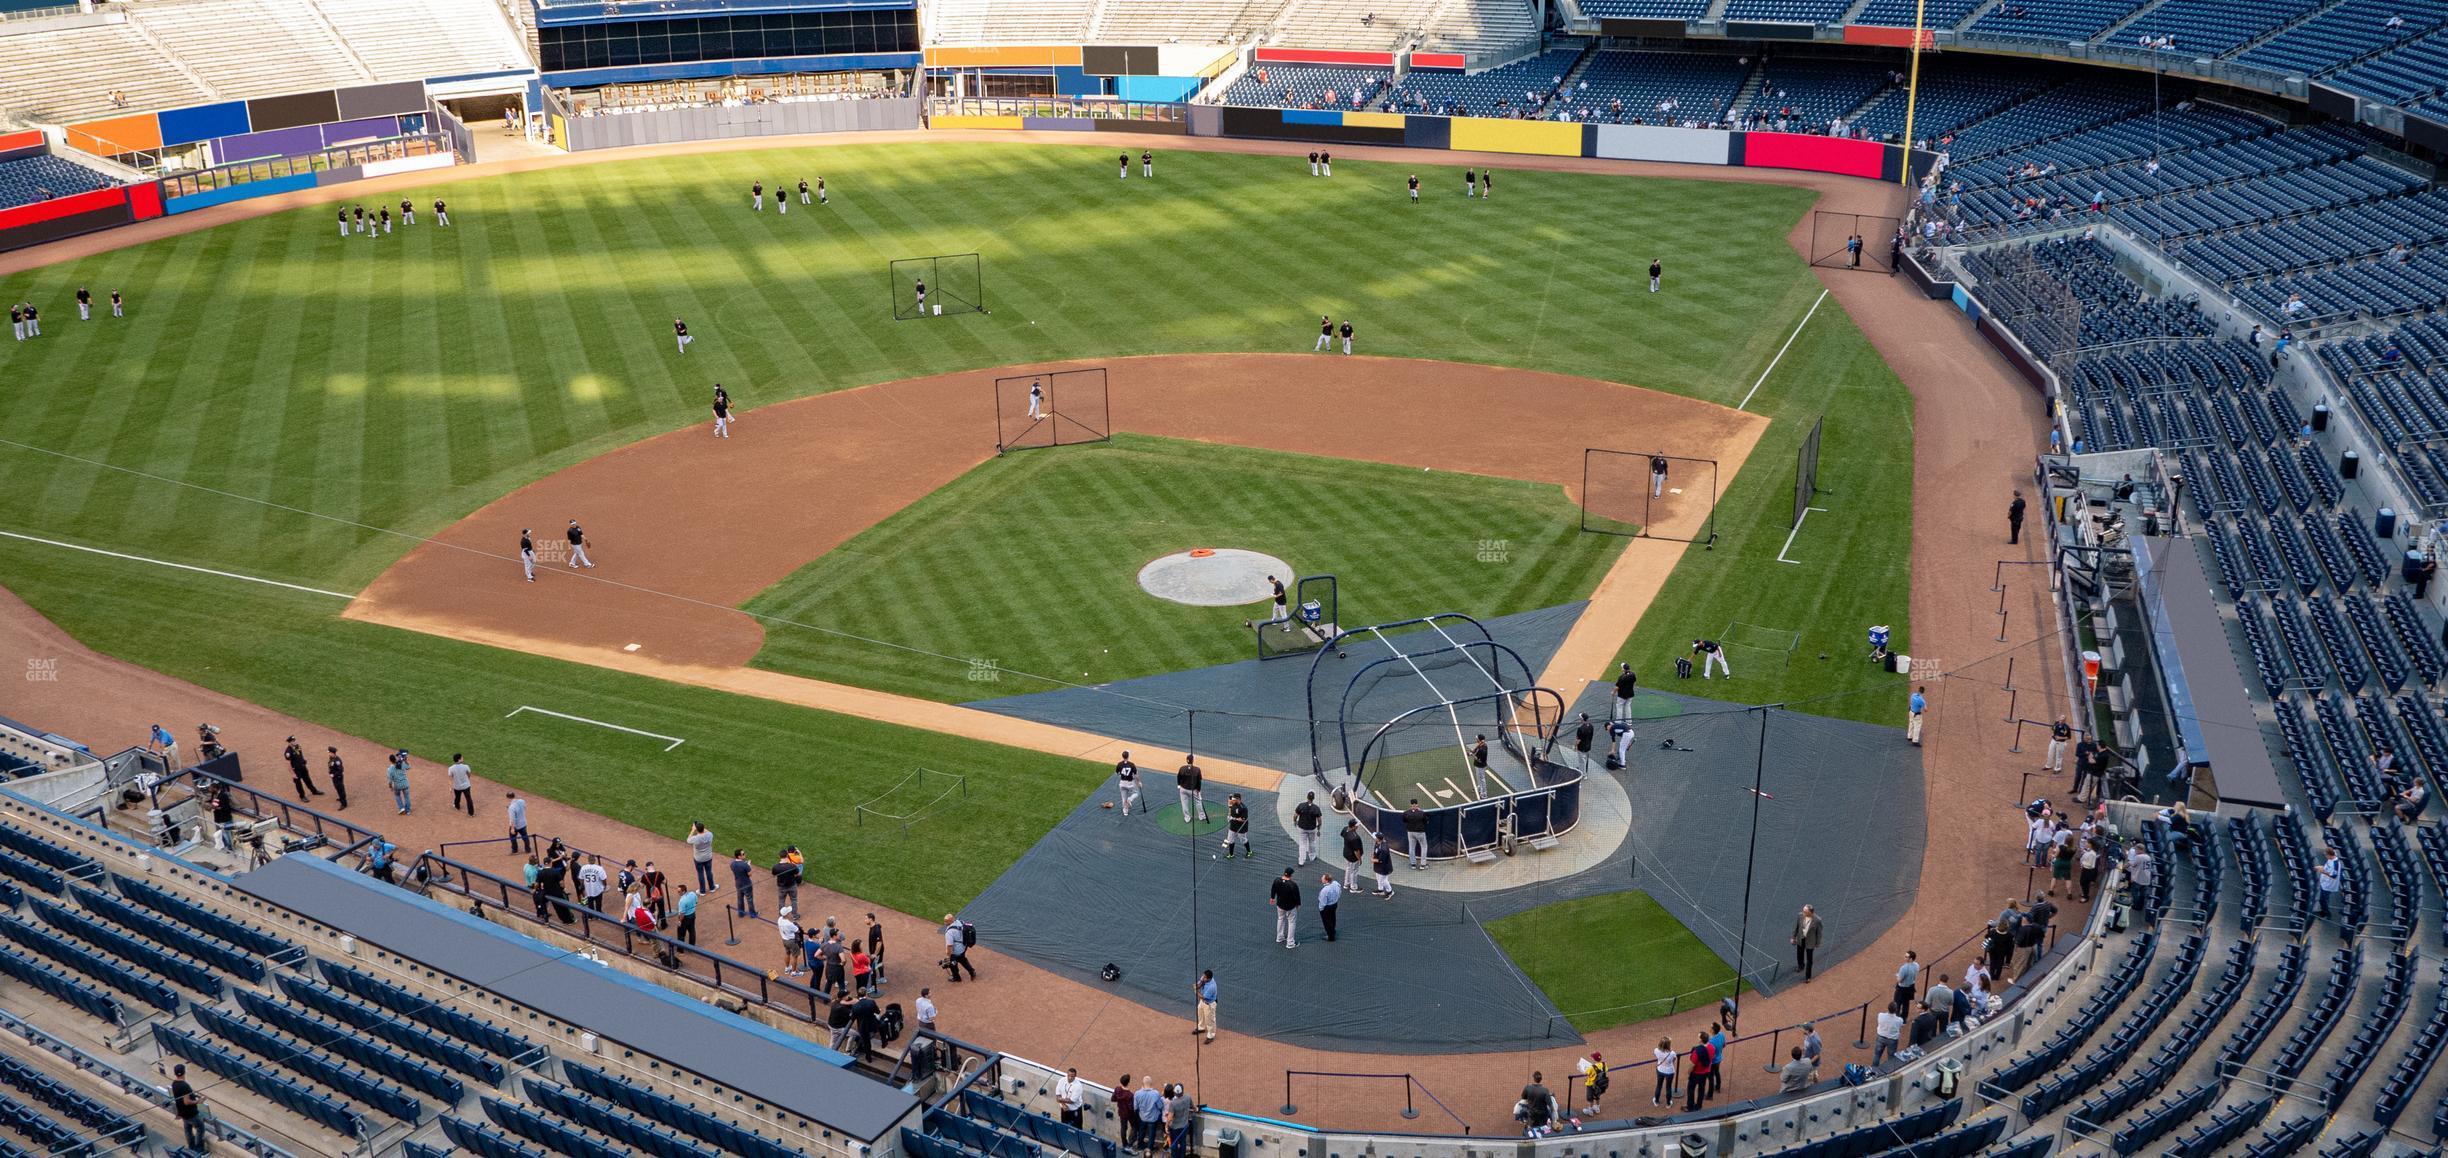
1612, 960
1031, 561
287, 403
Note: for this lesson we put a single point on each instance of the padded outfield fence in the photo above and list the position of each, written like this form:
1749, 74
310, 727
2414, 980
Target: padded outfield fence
1650, 494
1057, 408
939, 286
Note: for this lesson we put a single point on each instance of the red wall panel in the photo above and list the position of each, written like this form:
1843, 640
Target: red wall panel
1815, 154
61, 207
1439, 60
145, 200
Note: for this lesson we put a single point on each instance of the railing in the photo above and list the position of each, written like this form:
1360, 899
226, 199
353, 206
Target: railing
1410, 1106
320, 828
747, 982
175, 185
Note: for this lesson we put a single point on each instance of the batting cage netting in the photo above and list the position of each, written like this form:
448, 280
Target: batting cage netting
1651, 493
952, 283
1806, 471
1058, 408
1853, 241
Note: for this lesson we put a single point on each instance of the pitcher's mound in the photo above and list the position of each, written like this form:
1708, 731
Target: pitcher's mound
1213, 576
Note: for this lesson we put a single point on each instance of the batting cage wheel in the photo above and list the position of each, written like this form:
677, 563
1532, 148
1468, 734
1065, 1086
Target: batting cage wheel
928, 287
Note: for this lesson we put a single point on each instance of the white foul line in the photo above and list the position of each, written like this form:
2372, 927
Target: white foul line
675, 740
1780, 354
1789, 535
178, 566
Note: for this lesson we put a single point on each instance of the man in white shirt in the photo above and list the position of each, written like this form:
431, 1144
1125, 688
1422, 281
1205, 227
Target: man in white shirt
925, 1009
1070, 1095
463, 792
591, 878
790, 943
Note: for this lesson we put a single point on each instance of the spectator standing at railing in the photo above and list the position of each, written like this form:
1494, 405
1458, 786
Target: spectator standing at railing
786, 880
1070, 1093
687, 908
743, 883
463, 789
1890, 1034
1702, 1077
2032, 937
591, 880
701, 851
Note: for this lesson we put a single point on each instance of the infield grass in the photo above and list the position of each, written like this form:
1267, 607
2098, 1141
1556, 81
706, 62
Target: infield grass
285, 402
1030, 563
1612, 959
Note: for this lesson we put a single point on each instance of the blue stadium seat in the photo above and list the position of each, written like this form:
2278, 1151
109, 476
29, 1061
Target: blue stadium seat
260, 1078
343, 1042
273, 948
487, 1143
473, 1030
298, 1057
82, 995
218, 953
398, 1031
101, 967
27, 180
683, 1117
1516, 90
131, 948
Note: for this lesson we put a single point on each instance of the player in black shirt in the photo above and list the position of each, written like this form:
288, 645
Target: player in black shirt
1470, 183
1313, 163
344, 222
1147, 163
386, 219
1347, 333
1236, 826
577, 546
118, 305
680, 329
1125, 167
84, 304
1657, 270
1415, 188
803, 191
722, 412
820, 191
1325, 332
1657, 475
1325, 163
756, 195
361, 219
441, 213
921, 295
407, 211
17, 322
1487, 183
33, 320
527, 553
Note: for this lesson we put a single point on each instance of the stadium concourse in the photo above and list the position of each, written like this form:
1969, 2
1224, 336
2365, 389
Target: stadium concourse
1973, 423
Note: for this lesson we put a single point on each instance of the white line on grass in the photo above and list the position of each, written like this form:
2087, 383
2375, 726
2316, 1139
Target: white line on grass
178, 566
1789, 535
675, 740
1780, 354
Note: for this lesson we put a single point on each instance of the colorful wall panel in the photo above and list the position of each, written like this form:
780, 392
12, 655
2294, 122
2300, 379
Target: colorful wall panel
1325, 126
1648, 143
116, 135
53, 228
957, 121
1541, 138
204, 122
1004, 56
1325, 56
1815, 154
277, 143
248, 191
375, 100
1887, 37
1156, 88
288, 112
1439, 60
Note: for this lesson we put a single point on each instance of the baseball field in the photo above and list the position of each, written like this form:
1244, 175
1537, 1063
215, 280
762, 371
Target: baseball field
287, 404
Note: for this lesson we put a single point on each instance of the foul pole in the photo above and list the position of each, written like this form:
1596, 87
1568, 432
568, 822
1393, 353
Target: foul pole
1912, 88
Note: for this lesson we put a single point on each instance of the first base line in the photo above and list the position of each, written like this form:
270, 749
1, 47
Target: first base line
675, 740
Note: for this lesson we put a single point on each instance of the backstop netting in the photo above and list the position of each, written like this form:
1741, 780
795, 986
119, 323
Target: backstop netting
952, 283
1649, 493
1061, 408
1834, 237
1806, 471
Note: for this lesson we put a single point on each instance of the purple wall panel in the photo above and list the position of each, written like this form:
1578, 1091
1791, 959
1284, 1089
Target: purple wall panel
277, 143
372, 128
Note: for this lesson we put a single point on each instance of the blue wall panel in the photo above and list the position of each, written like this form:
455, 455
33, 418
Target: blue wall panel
229, 193
1156, 88
203, 123
695, 70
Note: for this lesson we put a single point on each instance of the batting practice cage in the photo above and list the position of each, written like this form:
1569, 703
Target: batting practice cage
1649, 493
1059, 408
1309, 624
1435, 712
1833, 233
1806, 471
953, 283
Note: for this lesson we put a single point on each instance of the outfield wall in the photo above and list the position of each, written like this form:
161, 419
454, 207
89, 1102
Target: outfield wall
1798, 151
787, 118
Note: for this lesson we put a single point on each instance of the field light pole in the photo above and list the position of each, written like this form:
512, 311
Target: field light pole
2156, 44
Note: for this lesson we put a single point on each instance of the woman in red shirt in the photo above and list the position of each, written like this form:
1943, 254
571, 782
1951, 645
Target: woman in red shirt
1703, 1063
860, 964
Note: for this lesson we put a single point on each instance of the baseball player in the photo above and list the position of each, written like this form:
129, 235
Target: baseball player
361, 219
1126, 781
1313, 163
441, 213
820, 191
1236, 826
1190, 784
680, 329
386, 219
921, 295
17, 322
577, 541
1347, 333
407, 211
1712, 658
803, 191
756, 196
1036, 401
527, 553
1325, 163
33, 321
118, 305
1325, 333
1657, 270
722, 412
1147, 163
1283, 601
1470, 182
1487, 183
84, 304
1657, 475
1125, 167
781, 199
344, 223
1415, 188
